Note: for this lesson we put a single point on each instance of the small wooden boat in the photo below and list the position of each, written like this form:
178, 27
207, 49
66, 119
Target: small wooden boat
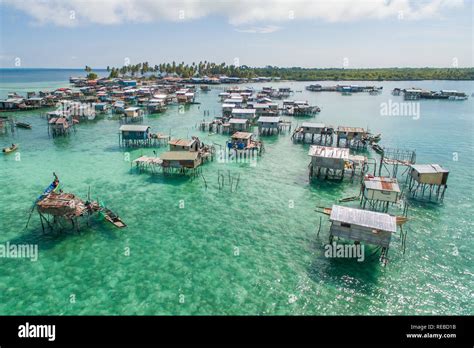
377, 148
401, 220
376, 138
10, 149
324, 210
349, 199
23, 125
53, 187
113, 218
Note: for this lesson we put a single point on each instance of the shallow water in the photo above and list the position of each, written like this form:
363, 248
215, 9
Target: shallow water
242, 252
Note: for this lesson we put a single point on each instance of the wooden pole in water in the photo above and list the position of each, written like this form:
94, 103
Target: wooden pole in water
41, 219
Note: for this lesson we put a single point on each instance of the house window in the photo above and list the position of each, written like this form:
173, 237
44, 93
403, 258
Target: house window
345, 224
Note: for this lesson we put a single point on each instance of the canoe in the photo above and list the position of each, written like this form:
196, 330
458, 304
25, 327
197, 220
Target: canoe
23, 125
324, 210
10, 149
116, 221
377, 148
348, 199
401, 220
113, 218
53, 187
377, 138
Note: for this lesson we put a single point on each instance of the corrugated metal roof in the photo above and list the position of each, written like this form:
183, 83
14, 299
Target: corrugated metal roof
439, 169
134, 128
429, 168
181, 142
329, 152
233, 100
265, 119
242, 135
243, 111
179, 156
313, 125
238, 120
365, 218
351, 129
381, 184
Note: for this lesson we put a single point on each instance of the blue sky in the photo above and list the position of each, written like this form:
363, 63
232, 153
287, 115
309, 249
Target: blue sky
318, 33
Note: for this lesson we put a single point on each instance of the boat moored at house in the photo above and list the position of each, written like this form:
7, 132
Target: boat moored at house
244, 142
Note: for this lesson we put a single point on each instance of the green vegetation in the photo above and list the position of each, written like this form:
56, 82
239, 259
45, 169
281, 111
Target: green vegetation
294, 73
91, 76
368, 74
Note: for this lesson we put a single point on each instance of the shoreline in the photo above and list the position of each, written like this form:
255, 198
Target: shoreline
274, 74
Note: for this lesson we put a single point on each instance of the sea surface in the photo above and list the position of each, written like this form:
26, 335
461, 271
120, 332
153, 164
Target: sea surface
192, 248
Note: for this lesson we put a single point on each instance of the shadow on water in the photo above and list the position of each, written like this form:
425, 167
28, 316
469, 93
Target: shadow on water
170, 179
269, 139
49, 239
424, 203
63, 141
114, 148
134, 152
331, 188
154, 116
346, 272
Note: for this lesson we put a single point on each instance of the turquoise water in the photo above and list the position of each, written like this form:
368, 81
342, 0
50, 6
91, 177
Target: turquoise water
22, 80
242, 252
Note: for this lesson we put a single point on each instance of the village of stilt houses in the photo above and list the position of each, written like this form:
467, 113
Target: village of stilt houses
387, 179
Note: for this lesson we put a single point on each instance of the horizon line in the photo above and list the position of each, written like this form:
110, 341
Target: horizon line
255, 67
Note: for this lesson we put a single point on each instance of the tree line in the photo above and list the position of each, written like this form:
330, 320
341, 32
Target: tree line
210, 69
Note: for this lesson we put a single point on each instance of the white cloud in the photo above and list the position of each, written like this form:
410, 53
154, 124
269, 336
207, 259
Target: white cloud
259, 30
238, 12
